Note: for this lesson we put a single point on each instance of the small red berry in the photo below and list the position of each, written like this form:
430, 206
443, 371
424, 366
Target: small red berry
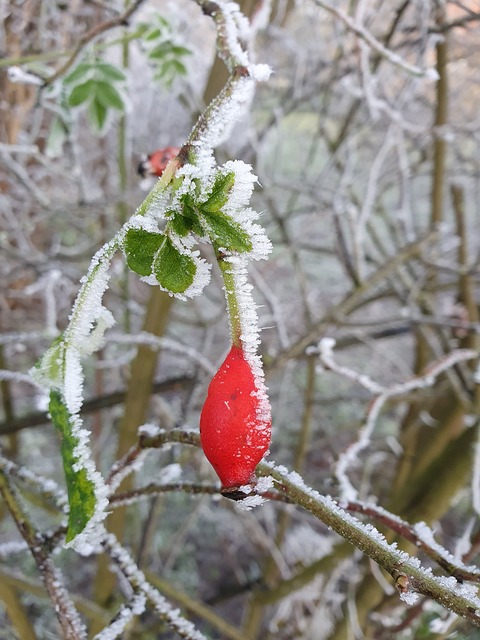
235, 424
155, 163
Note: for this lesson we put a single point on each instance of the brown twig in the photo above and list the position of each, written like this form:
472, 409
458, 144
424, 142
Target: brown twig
94, 404
70, 622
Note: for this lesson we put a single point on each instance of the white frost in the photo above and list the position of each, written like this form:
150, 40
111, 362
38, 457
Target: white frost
250, 502
250, 337
409, 597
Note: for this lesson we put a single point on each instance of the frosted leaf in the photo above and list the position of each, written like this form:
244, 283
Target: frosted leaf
96, 339
60, 370
237, 206
146, 223
200, 279
73, 380
242, 188
88, 309
88, 540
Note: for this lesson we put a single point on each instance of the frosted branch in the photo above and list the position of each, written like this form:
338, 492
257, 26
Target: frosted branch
161, 342
139, 584
411, 578
375, 44
70, 622
154, 489
383, 394
422, 537
135, 607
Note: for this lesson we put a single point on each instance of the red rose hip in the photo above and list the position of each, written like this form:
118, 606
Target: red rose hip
235, 423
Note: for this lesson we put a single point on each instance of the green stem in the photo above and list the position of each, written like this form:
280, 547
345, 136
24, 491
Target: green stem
232, 301
395, 562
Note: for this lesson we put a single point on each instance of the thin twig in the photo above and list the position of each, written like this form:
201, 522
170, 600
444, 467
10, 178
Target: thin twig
70, 622
372, 42
382, 395
118, 21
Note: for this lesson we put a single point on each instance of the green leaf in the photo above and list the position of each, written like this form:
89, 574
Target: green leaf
154, 34
173, 270
220, 192
81, 490
190, 216
160, 51
110, 72
108, 96
178, 68
81, 72
227, 233
97, 114
181, 51
81, 93
140, 247
50, 368
180, 225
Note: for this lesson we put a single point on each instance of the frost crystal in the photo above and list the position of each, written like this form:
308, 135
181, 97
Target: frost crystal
126, 613
248, 503
250, 335
264, 483
149, 430
138, 581
409, 597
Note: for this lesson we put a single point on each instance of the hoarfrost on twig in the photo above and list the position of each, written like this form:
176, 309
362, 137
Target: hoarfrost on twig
349, 457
